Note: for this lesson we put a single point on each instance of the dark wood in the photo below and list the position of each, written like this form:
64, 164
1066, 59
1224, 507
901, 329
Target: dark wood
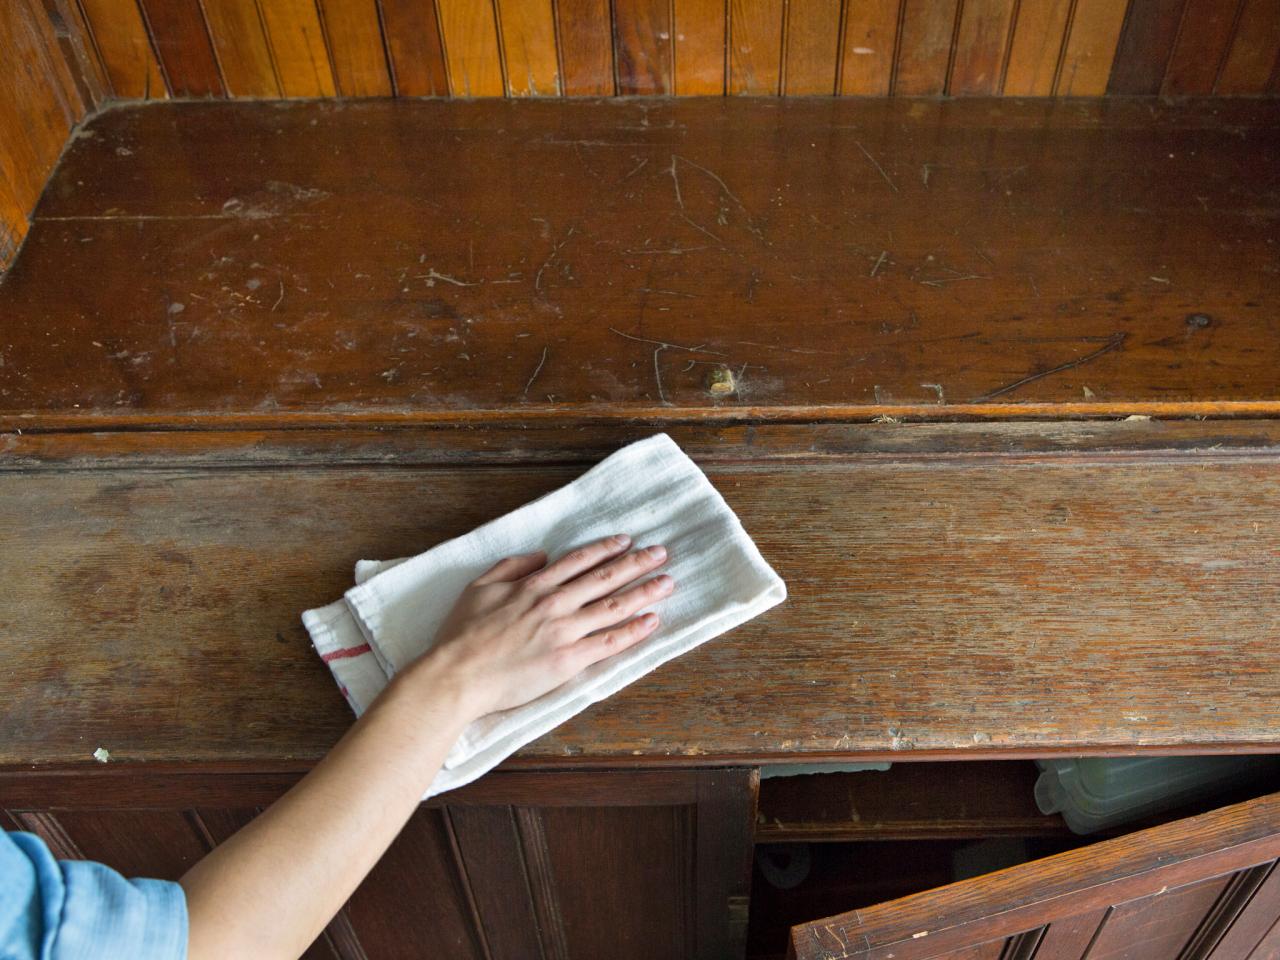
1146, 42
1251, 63
1158, 888
981, 47
910, 801
935, 607
182, 41
1204, 41
1147, 300
413, 44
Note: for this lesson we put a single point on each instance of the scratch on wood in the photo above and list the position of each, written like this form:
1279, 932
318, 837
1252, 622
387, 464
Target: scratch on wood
887, 179
555, 252
937, 388
663, 345
432, 275
876, 268
537, 370
280, 299
1114, 342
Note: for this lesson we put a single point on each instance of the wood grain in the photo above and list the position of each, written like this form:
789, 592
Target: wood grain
1203, 43
700, 47
1090, 48
1159, 882
1255, 52
354, 33
121, 39
471, 46
586, 47
298, 48
981, 44
240, 41
529, 47
642, 48
1146, 42
1163, 321
812, 47
413, 44
870, 39
755, 47
182, 42
67, 21
1039, 35
924, 47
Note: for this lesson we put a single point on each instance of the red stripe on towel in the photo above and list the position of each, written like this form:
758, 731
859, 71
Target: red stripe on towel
344, 653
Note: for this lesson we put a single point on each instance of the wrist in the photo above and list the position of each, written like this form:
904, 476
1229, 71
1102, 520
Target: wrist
432, 682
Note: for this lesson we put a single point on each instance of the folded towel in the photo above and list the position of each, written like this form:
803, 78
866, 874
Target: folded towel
650, 490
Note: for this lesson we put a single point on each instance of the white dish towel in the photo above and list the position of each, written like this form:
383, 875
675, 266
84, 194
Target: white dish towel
649, 490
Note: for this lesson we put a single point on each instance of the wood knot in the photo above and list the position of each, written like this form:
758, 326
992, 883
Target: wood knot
721, 382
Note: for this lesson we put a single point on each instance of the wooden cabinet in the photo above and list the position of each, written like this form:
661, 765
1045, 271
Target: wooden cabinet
563, 866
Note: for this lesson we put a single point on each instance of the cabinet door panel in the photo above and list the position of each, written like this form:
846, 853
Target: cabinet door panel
1200, 887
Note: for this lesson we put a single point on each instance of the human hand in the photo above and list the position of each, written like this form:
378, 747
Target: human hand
522, 628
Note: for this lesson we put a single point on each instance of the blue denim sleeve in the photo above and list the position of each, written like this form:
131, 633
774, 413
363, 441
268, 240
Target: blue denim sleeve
72, 910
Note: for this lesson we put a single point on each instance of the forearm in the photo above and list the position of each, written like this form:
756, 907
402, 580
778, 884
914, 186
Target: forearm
269, 890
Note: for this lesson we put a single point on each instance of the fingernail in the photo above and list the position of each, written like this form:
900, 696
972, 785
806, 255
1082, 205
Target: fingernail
665, 582
621, 539
650, 619
657, 551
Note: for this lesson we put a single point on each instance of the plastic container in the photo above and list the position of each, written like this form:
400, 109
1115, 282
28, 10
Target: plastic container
1095, 793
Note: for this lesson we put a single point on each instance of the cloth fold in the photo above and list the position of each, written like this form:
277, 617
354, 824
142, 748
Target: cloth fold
649, 490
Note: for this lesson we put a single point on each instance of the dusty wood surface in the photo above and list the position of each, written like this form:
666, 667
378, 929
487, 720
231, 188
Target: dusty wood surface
1084, 603
409, 261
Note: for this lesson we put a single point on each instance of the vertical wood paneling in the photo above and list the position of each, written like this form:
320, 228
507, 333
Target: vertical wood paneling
298, 49
240, 41
1202, 46
700, 38
870, 38
471, 48
1258, 915
186, 53
528, 32
1068, 939
755, 47
982, 39
76, 41
413, 43
489, 848
924, 49
1091, 47
586, 47
1156, 927
1255, 51
354, 32
1039, 32
121, 38
56, 56
642, 48
1146, 41
813, 47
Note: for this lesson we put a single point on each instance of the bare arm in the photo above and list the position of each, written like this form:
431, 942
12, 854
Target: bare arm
520, 630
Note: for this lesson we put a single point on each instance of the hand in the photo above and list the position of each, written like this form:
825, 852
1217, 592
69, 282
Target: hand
523, 628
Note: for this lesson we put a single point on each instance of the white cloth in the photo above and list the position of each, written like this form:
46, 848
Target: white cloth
649, 490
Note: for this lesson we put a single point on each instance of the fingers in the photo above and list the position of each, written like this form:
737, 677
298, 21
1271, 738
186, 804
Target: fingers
609, 577
512, 568
582, 559
614, 609
597, 646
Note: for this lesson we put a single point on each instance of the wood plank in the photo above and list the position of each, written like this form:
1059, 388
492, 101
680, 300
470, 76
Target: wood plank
137, 843
57, 58
489, 854
240, 40
1069, 938
1204, 41
298, 48
529, 47
1250, 926
471, 48
700, 47
813, 47
1163, 270
970, 561
353, 29
924, 47
1146, 42
1039, 36
121, 38
1091, 47
413, 44
982, 43
182, 42
75, 39
1160, 883
1255, 51
642, 48
755, 47
870, 39
586, 47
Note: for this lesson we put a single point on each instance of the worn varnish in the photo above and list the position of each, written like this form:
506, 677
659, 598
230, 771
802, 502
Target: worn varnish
599, 258
1088, 604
